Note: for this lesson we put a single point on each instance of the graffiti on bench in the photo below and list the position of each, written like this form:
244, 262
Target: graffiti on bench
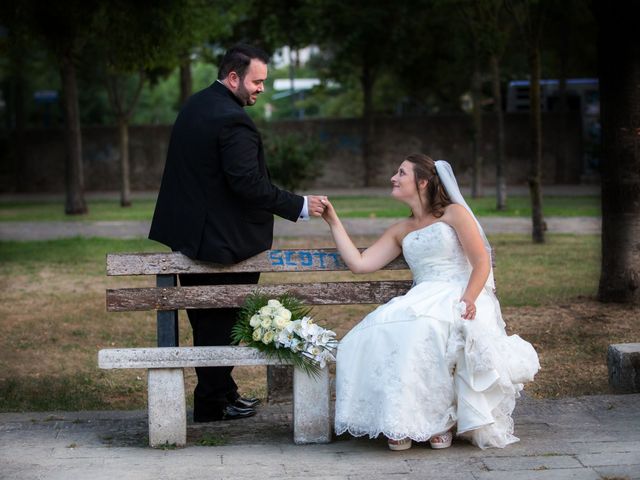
316, 259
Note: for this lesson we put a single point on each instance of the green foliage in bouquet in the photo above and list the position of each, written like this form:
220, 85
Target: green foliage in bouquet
282, 328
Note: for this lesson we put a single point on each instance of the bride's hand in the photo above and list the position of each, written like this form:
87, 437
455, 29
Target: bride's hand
469, 311
329, 215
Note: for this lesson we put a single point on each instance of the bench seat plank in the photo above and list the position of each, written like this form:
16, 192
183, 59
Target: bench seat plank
285, 260
218, 296
182, 357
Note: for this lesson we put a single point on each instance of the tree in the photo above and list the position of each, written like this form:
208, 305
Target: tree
137, 40
361, 36
619, 65
529, 16
488, 34
495, 34
129, 41
569, 44
198, 22
64, 28
286, 23
16, 46
468, 12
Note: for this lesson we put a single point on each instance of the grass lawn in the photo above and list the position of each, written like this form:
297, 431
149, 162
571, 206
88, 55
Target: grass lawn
52, 314
348, 207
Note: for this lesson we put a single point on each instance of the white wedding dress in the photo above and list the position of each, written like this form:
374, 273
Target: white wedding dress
414, 368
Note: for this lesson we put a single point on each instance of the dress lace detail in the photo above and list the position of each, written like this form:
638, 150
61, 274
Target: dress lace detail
414, 368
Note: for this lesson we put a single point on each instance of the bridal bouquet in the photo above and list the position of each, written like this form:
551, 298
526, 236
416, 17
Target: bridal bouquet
283, 328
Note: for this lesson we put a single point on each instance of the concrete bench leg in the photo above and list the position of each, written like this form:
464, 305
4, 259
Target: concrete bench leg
167, 407
311, 420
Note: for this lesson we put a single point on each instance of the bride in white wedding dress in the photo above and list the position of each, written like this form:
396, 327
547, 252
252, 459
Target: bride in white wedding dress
437, 357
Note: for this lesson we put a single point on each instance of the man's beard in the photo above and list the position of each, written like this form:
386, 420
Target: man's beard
244, 96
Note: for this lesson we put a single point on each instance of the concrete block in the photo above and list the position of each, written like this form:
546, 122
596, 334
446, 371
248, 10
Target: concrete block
623, 361
167, 408
311, 415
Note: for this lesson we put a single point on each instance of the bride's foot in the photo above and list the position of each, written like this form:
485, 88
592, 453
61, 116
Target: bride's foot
441, 440
402, 444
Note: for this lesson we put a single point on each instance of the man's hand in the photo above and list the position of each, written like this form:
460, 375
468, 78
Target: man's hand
315, 205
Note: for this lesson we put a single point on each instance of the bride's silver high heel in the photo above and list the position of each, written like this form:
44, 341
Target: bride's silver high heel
441, 440
397, 445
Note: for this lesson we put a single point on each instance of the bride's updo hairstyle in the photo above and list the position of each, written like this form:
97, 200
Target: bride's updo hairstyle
424, 168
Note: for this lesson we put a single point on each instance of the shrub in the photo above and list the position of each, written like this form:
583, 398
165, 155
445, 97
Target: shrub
292, 159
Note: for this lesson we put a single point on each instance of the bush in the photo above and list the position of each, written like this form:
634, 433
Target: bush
292, 159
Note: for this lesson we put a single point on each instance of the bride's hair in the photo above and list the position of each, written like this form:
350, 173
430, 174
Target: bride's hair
424, 168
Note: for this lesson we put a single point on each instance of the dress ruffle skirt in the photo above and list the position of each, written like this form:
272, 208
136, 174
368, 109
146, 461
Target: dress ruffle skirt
414, 368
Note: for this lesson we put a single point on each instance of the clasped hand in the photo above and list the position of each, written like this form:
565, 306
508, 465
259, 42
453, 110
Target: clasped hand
315, 205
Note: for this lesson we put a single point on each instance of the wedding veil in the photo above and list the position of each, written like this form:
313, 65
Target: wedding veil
448, 179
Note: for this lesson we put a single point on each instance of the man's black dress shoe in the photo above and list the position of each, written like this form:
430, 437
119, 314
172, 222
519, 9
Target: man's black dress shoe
246, 402
233, 412
230, 412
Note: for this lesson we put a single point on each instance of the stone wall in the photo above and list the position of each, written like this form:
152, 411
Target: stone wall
441, 136
445, 137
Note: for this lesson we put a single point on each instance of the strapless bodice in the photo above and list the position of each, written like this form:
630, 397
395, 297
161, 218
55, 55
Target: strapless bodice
434, 253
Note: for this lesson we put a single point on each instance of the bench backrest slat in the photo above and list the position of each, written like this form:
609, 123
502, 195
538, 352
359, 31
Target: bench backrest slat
284, 260
219, 296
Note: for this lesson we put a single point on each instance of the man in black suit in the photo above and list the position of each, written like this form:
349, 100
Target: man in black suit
216, 203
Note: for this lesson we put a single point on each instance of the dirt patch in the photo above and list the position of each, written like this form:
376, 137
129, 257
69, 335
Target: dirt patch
572, 341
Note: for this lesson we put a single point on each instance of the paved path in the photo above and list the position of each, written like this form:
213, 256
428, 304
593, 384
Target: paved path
489, 191
283, 228
585, 438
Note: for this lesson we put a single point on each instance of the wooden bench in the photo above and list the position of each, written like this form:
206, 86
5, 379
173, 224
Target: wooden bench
165, 364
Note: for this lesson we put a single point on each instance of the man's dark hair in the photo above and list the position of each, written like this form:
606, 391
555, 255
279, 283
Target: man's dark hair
238, 58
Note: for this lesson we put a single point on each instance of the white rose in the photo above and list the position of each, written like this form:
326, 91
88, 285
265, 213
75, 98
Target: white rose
255, 321
286, 314
266, 322
264, 311
268, 337
280, 322
257, 334
274, 303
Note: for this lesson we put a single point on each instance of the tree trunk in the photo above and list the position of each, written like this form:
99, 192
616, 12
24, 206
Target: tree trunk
123, 113
535, 167
186, 83
19, 157
125, 184
562, 151
476, 93
619, 65
367, 125
16, 118
75, 202
501, 178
